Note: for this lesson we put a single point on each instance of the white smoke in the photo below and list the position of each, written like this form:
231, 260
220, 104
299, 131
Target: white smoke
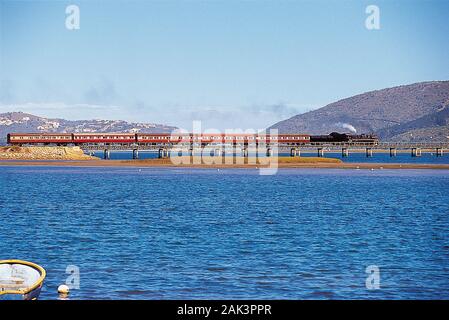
347, 126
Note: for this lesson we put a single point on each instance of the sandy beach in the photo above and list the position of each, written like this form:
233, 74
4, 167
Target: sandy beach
74, 157
283, 163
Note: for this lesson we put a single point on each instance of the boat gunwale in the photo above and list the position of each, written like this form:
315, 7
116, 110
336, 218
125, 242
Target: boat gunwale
36, 285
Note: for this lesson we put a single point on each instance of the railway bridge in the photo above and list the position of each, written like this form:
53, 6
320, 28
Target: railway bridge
218, 144
320, 149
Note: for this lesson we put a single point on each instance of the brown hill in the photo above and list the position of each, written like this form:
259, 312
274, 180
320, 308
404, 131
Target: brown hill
418, 111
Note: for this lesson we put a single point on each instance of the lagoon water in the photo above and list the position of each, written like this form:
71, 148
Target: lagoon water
164, 233
426, 157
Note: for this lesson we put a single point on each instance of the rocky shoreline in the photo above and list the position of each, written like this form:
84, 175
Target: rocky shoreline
43, 153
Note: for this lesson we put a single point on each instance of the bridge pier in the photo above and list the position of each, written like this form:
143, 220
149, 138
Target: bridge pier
439, 152
344, 152
369, 152
163, 153
320, 152
106, 154
393, 152
416, 152
245, 152
218, 152
135, 154
295, 152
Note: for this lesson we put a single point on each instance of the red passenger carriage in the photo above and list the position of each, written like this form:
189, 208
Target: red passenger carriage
104, 138
39, 138
154, 138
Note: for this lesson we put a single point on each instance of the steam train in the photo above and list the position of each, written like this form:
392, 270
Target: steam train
335, 137
149, 138
78, 139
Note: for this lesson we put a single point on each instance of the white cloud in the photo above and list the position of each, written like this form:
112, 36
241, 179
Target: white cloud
219, 117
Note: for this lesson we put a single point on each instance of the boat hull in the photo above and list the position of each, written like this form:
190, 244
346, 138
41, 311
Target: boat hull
20, 280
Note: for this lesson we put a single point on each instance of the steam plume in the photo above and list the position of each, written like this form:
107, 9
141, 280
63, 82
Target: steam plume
347, 126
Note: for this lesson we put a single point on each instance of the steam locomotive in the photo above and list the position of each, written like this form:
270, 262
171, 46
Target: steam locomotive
335, 137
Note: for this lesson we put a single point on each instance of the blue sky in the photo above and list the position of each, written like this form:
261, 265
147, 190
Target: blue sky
232, 64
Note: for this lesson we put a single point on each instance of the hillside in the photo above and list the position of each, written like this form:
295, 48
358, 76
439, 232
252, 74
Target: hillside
415, 112
23, 122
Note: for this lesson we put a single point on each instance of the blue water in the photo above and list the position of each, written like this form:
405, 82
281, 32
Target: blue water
385, 158
353, 157
155, 233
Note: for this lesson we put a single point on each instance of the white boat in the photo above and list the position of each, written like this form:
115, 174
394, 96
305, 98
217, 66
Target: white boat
20, 280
